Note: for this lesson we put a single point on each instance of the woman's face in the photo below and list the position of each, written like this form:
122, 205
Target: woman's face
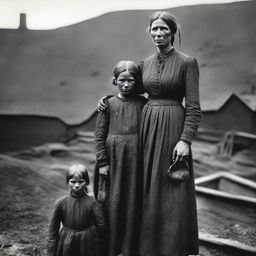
161, 33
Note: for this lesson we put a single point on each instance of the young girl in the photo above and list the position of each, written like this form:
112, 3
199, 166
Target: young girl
117, 138
81, 217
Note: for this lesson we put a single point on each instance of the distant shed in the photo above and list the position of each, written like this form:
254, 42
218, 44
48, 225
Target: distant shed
88, 124
22, 131
237, 113
18, 132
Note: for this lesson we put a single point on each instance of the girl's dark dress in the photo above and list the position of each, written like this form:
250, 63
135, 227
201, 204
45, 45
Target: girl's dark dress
169, 222
117, 140
82, 219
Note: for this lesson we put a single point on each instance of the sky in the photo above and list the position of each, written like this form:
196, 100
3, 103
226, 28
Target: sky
51, 14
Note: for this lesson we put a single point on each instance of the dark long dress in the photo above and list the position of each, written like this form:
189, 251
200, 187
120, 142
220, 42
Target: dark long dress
83, 222
117, 140
169, 222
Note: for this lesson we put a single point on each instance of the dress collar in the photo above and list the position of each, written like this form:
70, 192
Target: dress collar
160, 55
125, 98
73, 194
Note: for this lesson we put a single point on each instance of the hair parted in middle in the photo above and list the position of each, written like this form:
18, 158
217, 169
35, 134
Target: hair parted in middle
125, 65
170, 20
132, 68
78, 170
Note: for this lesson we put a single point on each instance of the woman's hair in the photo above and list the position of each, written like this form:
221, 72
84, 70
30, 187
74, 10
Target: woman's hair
170, 21
78, 170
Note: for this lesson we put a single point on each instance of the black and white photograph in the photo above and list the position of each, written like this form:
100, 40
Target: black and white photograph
127, 128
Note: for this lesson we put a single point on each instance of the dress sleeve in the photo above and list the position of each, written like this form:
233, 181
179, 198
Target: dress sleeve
192, 102
54, 227
99, 220
101, 133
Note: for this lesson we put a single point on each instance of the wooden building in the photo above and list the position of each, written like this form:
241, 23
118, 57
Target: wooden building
236, 113
18, 132
41, 99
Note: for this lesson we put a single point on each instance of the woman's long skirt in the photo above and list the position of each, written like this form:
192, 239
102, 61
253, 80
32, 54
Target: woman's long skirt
169, 218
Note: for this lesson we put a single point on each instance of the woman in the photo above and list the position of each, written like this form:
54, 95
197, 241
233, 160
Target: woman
169, 219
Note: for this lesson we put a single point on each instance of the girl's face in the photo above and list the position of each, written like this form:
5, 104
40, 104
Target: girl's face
160, 33
77, 185
125, 83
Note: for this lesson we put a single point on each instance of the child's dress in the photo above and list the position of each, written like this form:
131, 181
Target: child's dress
82, 221
117, 140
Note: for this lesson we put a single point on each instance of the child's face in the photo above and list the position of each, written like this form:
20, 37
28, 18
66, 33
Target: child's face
125, 83
76, 184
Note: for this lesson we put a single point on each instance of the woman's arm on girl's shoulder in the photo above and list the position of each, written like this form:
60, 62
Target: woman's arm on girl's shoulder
192, 101
101, 104
54, 227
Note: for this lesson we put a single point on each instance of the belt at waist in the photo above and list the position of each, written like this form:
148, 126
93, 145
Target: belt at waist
163, 102
78, 229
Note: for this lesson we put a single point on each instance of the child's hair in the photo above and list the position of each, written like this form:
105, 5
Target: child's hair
126, 65
78, 170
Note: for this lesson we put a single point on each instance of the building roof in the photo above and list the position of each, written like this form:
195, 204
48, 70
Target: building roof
248, 99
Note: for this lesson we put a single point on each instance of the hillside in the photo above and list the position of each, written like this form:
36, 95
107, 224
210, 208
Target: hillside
64, 72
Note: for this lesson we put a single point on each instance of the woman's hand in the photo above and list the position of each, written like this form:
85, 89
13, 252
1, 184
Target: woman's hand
181, 151
104, 171
101, 105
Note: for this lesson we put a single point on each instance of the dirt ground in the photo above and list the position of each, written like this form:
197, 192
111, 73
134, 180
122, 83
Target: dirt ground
31, 180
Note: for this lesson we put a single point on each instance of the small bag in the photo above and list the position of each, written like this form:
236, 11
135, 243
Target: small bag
178, 171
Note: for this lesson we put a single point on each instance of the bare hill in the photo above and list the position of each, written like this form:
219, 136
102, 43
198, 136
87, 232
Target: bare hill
64, 72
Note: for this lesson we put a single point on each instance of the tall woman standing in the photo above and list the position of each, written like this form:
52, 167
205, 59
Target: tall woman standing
169, 218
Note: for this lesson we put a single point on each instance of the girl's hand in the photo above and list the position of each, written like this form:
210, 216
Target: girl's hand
104, 171
181, 151
101, 105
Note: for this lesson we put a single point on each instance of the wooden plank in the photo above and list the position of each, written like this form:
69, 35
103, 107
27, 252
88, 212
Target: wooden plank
239, 179
222, 194
207, 178
226, 175
245, 135
204, 237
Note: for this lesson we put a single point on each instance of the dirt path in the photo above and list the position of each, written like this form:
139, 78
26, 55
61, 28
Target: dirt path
30, 181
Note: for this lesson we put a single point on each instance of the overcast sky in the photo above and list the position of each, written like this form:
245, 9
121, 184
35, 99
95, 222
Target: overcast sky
49, 14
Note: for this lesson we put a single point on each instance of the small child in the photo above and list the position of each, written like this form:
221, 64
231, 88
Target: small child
117, 155
81, 217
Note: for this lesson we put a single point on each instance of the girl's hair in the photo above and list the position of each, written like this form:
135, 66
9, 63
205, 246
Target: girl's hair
169, 19
125, 65
132, 68
78, 170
